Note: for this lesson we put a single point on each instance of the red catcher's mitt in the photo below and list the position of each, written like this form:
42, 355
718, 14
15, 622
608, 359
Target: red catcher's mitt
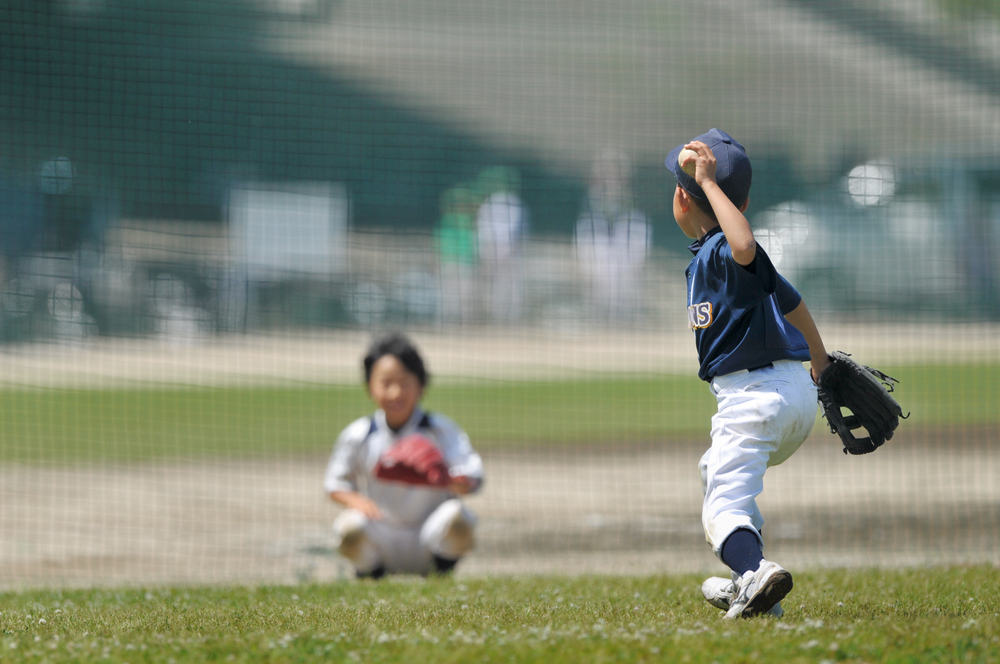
414, 459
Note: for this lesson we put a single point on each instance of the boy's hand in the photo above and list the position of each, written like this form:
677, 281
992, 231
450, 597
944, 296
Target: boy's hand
359, 502
369, 508
463, 485
704, 171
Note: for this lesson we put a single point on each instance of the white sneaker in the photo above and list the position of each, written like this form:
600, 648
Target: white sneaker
757, 592
720, 592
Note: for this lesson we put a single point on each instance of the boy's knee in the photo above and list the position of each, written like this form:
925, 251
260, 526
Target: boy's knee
349, 525
450, 531
353, 542
459, 539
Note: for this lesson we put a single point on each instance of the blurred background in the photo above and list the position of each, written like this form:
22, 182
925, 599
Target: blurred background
236, 165
241, 192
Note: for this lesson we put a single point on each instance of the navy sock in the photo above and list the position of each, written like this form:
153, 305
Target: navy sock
375, 574
741, 551
444, 565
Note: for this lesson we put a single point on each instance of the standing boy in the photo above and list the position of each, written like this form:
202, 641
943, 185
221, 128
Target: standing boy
752, 331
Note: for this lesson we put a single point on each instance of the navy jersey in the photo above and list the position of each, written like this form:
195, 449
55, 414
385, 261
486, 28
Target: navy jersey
737, 312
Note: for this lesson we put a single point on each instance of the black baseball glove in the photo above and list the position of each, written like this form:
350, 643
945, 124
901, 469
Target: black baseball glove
865, 393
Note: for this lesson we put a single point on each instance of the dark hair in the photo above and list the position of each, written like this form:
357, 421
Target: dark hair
400, 347
704, 205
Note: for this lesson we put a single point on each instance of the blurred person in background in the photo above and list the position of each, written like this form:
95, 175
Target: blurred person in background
456, 242
22, 212
976, 251
501, 224
613, 239
50, 224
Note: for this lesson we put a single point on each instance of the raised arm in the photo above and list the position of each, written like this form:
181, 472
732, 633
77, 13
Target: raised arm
734, 224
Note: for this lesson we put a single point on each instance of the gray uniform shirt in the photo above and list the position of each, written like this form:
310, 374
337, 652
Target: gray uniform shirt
359, 446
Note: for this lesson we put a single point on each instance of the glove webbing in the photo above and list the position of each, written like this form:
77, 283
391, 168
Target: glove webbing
865, 392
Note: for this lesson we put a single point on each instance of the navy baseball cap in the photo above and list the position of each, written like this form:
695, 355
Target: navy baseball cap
732, 170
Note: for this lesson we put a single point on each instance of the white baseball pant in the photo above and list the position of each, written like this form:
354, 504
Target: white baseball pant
763, 418
447, 533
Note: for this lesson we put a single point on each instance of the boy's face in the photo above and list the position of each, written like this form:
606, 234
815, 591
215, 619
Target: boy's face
395, 390
682, 213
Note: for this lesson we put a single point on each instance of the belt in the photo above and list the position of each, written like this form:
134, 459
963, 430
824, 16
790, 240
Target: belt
769, 365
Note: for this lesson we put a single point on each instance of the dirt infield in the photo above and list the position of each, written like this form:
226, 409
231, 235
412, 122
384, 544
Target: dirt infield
626, 512
622, 509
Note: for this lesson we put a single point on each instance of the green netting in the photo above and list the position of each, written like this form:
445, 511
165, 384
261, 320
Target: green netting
207, 208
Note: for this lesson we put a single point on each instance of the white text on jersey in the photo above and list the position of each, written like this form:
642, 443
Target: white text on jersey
700, 315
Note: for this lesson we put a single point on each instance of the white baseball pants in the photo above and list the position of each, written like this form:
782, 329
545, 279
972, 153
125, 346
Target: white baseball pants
763, 418
447, 532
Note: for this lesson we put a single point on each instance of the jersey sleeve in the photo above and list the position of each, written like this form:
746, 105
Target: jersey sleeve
344, 465
788, 298
462, 459
748, 288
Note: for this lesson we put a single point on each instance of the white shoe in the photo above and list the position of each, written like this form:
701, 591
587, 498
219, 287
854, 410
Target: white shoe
720, 593
352, 541
757, 592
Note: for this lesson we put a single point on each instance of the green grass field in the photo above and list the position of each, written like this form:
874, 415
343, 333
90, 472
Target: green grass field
55, 426
923, 615
935, 615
